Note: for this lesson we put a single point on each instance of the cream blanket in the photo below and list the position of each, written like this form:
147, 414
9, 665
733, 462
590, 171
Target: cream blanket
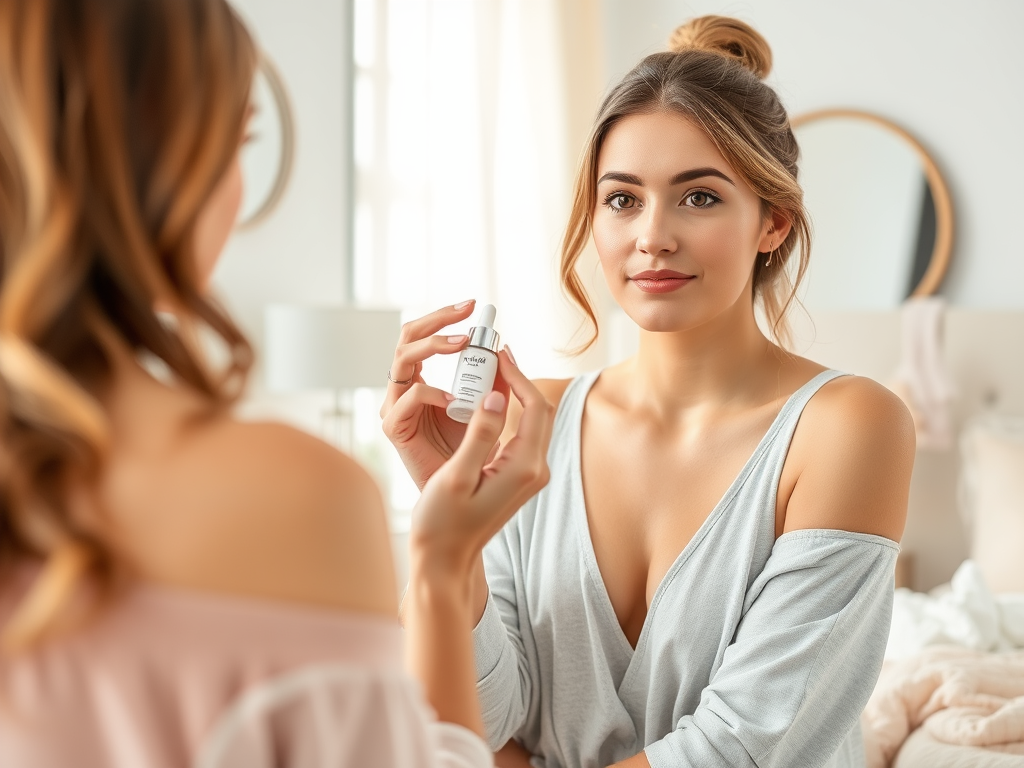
959, 696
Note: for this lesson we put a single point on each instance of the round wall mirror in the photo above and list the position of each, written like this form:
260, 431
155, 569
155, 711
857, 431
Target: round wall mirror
267, 156
880, 212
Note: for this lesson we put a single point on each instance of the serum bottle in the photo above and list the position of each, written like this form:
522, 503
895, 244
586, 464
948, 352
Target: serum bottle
478, 365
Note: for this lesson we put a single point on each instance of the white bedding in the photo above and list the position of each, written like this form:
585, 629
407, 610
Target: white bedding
922, 750
958, 696
964, 613
958, 705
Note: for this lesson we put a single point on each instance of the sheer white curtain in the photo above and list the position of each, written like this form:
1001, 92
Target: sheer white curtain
469, 118
468, 123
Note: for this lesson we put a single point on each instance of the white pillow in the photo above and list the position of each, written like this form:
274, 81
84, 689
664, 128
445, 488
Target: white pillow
993, 499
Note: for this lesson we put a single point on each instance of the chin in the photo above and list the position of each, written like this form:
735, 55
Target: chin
665, 318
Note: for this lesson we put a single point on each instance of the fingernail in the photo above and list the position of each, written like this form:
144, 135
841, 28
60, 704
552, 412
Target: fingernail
511, 356
464, 304
449, 396
494, 402
457, 339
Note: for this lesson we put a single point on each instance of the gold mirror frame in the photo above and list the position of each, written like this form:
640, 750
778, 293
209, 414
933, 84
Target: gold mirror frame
942, 251
284, 169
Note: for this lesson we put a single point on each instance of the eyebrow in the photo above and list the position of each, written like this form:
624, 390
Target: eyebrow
679, 178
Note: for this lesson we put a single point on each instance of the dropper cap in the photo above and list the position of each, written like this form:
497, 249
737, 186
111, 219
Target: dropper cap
483, 334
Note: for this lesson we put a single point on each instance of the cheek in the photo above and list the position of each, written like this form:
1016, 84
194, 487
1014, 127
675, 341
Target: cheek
726, 247
613, 242
217, 220
229, 193
233, 192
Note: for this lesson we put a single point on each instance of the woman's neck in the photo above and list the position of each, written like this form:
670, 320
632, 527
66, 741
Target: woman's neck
725, 361
145, 410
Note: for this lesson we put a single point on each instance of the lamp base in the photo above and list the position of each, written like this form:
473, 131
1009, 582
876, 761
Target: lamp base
337, 424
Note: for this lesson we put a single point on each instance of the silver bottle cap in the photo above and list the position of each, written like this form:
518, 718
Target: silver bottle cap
483, 335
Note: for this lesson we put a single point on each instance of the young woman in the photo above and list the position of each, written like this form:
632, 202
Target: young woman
177, 587
707, 579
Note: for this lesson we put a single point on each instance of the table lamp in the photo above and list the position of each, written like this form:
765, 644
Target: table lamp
338, 348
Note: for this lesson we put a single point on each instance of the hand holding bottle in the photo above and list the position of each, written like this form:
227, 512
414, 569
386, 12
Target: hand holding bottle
473, 494
414, 413
466, 501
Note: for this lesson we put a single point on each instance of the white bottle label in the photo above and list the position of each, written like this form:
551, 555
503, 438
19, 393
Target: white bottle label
474, 379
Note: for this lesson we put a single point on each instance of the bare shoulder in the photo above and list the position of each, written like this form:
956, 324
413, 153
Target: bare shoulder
552, 389
853, 454
274, 512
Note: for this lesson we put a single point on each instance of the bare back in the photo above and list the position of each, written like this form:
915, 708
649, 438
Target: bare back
256, 509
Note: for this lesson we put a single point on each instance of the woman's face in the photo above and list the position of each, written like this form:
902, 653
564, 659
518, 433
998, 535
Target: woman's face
217, 220
676, 228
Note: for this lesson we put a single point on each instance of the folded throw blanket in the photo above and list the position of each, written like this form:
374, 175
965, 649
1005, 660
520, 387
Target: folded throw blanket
960, 696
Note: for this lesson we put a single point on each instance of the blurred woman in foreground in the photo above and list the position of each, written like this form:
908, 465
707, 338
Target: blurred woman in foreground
178, 587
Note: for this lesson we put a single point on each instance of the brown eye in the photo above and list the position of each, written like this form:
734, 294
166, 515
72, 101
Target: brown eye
620, 201
700, 199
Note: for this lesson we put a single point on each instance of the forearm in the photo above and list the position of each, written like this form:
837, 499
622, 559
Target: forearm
512, 755
636, 761
439, 650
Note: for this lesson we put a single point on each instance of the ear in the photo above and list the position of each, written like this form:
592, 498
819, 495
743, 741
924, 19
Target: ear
774, 230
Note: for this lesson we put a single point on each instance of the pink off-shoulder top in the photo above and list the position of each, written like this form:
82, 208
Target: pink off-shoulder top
171, 678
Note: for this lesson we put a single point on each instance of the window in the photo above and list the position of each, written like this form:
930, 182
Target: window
463, 164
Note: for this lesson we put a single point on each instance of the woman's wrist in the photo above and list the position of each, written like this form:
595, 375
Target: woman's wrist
443, 565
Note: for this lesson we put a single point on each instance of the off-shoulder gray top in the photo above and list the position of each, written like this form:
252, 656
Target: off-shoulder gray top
755, 651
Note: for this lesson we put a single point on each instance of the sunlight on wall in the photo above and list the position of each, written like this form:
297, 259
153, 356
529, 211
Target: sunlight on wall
463, 170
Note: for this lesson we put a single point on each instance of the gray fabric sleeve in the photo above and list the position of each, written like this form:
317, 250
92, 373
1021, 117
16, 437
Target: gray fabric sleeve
804, 661
503, 680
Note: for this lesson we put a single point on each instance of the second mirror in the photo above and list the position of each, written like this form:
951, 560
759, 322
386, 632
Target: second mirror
880, 212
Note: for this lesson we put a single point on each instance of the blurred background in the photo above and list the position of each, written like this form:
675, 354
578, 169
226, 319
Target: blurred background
415, 153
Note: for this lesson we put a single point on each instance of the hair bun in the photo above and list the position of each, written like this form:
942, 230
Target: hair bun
727, 36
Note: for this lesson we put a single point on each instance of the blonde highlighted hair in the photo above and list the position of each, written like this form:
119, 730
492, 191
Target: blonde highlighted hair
117, 120
712, 76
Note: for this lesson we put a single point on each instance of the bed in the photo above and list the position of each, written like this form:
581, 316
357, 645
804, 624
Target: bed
951, 692
921, 749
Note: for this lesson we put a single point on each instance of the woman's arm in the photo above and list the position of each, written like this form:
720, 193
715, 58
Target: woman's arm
512, 755
636, 761
852, 456
504, 675
465, 502
804, 661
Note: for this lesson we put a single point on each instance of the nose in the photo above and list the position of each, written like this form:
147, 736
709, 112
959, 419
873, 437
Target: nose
655, 237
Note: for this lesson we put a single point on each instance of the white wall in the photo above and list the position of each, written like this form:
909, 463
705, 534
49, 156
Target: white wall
952, 77
295, 254
979, 352
949, 72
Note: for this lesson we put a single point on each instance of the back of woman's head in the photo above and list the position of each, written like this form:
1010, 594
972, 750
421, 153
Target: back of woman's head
711, 75
118, 118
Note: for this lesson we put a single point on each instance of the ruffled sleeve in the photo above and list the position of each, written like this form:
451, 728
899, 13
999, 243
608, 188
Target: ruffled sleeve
338, 716
805, 658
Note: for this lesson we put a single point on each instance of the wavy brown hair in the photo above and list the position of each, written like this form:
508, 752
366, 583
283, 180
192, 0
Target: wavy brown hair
117, 120
712, 76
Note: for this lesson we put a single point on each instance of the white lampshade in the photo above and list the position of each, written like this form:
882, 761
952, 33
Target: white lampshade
323, 347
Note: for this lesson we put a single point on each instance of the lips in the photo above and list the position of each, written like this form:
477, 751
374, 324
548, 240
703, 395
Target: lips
660, 280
